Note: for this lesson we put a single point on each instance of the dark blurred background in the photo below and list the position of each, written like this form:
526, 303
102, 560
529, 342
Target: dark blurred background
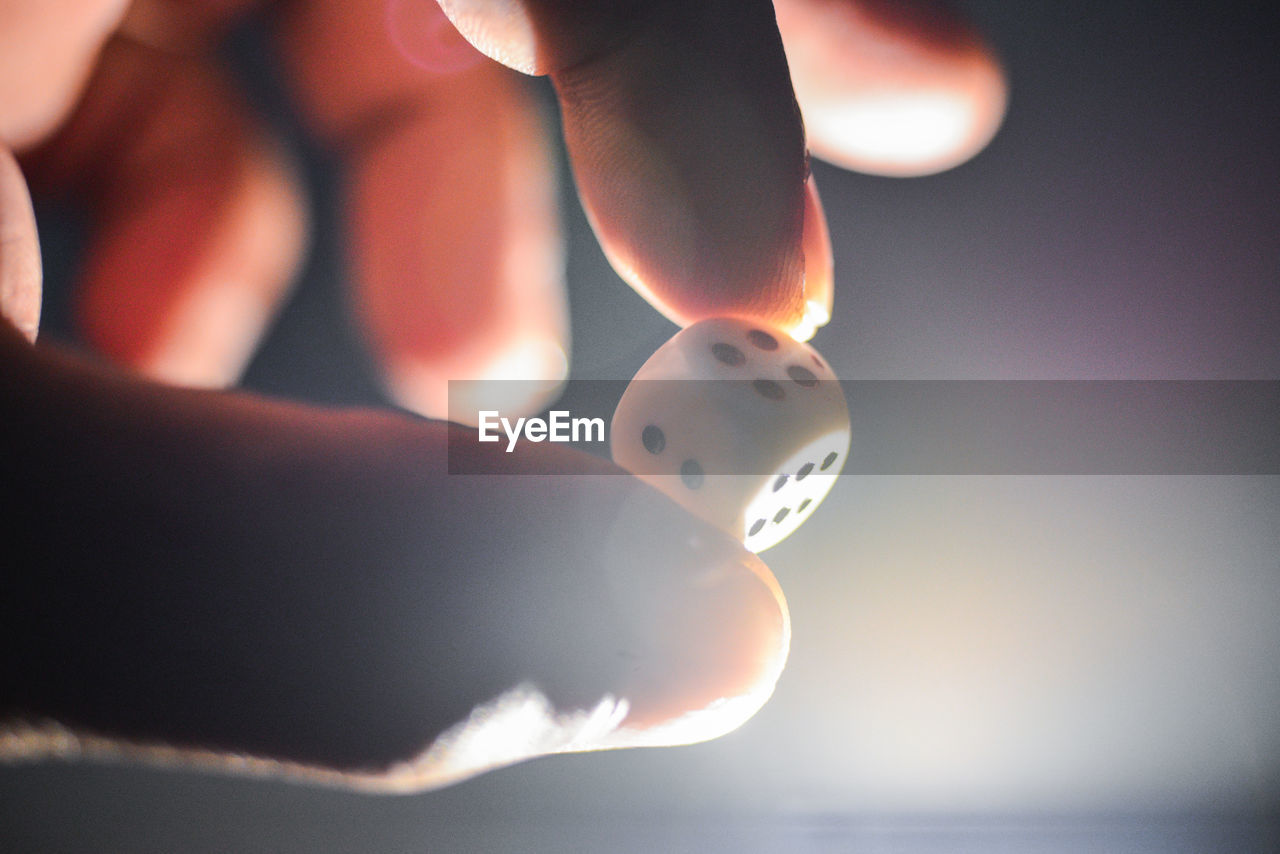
979, 663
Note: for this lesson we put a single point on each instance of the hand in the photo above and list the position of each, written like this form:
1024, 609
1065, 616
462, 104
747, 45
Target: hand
206, 574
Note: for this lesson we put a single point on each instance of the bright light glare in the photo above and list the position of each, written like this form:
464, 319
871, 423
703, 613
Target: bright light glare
425, 37
534, 359
519, 724
815, 316
908, 130
522, 380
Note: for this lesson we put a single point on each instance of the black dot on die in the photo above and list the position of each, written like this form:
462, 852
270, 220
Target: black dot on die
755, 527
829, 459
728, 354
691, 474
768, 389
781, 514
653, 438
762, 339
780, 482
803, 504
802, 376
804, 471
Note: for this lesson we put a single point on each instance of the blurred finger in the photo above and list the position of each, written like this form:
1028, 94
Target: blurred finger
891, 87
20, 273
265, 587
198, 220
685, 140
47, 49
453, 221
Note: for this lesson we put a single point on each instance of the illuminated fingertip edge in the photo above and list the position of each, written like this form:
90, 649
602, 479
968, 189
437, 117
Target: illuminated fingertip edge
519, 724
815, 317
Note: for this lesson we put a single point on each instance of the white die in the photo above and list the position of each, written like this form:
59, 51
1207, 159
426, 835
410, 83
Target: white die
739, 423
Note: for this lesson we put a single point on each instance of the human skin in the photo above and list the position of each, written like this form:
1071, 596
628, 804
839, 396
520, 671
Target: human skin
199, 575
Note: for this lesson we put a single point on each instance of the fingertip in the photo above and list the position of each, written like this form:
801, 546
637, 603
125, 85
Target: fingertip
689, 157
20, 272
46, 57
517, 375
182, 282
737, 671
896, 89
712, 627
685, 141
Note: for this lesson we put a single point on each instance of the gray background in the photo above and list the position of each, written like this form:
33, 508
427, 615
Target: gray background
1026, 663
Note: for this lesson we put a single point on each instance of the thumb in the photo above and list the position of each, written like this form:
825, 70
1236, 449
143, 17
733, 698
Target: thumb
221, 579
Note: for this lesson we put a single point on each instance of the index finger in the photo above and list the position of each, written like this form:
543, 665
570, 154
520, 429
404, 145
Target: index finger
686, 143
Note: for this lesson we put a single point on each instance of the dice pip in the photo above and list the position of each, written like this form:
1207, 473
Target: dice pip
739, 423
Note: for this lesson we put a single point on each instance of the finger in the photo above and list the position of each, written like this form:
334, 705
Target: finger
454, 232
272, 588
20, 274
890, 87
685, 140
47, 48
198, 220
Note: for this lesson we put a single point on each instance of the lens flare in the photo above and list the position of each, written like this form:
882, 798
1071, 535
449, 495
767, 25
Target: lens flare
425, 37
